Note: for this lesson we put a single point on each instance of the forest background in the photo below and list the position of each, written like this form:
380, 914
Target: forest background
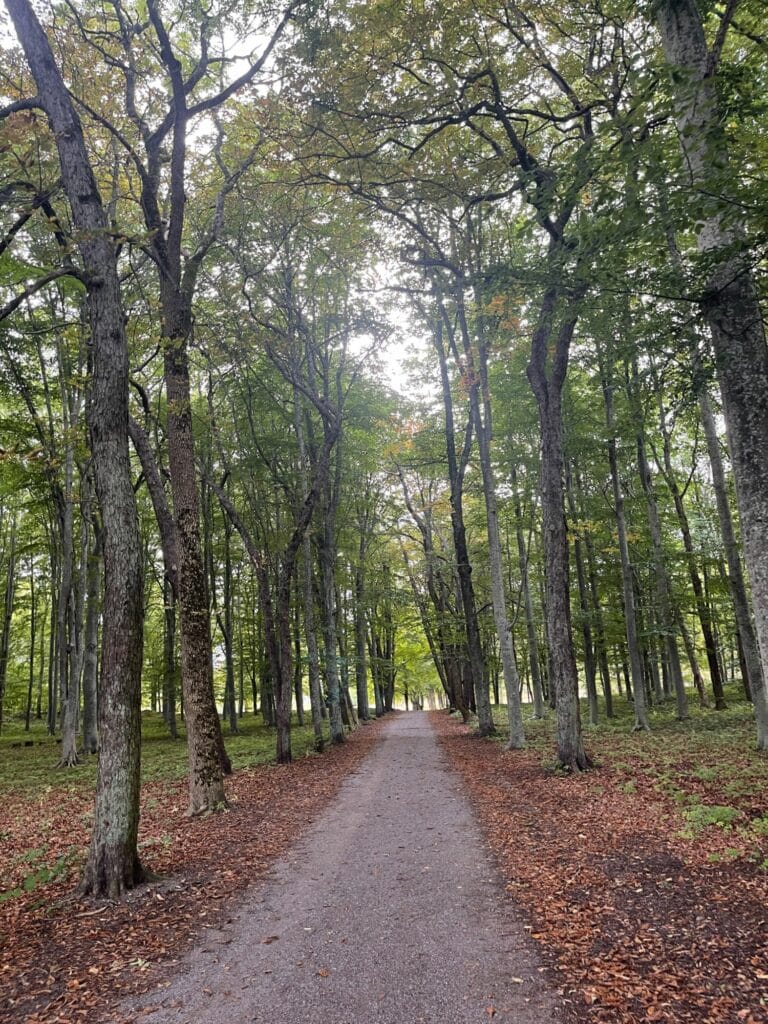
220, 226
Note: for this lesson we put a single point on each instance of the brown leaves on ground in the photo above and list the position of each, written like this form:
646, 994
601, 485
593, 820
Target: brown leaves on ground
67, 959
641, 925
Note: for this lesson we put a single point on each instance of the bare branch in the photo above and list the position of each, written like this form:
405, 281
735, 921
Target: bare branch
30, 103
36, 286
726, 20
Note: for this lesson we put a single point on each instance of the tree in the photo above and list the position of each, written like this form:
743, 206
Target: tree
113, 863
728, 296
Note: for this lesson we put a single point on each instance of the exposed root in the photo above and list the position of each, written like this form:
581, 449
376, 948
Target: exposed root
69, 760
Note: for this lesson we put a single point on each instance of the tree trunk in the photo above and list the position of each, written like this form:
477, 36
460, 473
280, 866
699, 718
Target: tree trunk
33, 603
590, 664
326, 546
484, 431
729, 303
737, 587
113, 862
547, 389
226, 631
53, 660
361, 665
690, 651
376, 671
206, 781
5, 632
630, 619
10, 584
91, 652
445, 649
42, 618
530, 623
702, 608
298, 673
485, 725
69, 691
663, 594
170, 663
307, 590
310, 634
284, 753
601, 646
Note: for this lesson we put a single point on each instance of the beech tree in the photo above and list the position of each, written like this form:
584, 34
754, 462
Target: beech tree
113, 862
728, 296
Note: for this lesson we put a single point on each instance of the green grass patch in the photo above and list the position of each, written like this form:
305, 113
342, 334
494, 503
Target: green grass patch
32, 770
701, 816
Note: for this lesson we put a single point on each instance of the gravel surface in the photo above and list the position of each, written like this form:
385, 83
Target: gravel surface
388, 911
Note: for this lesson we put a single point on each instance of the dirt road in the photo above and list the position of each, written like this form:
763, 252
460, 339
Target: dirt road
389, 911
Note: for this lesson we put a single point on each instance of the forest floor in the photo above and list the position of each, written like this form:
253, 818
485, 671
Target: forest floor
645, 880
643, 885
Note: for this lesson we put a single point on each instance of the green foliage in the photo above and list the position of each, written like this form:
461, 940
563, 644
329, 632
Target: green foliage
701, 816
41, 870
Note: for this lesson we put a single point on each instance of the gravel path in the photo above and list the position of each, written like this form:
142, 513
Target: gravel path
389, 911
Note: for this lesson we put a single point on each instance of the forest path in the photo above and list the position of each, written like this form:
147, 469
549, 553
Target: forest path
388, 911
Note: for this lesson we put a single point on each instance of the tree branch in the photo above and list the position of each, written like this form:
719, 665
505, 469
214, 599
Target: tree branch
36, 286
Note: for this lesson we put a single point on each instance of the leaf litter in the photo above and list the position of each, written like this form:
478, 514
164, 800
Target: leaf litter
643, 921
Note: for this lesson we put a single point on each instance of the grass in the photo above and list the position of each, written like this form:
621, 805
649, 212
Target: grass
32, 770
699, 740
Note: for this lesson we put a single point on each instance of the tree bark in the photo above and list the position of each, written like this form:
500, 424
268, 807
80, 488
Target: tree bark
224, 620
65, 635
476, 665
663, 592
33, 617
736, 585
307, 591
630, 618
690, 651
113, 862
590, 664
601, 646
298, 674
326, 546
480, 400
5, 632
91, 652
445, 649
361, 663
729, 303
530, 623
702, 608
170, 663
547, 388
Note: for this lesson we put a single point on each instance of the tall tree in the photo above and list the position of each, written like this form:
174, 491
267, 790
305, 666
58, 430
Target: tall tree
728, 297
113, 861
